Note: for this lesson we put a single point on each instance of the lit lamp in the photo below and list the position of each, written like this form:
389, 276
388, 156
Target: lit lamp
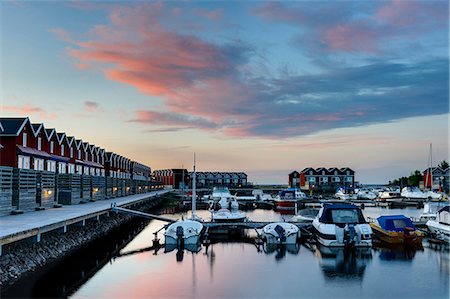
49, 192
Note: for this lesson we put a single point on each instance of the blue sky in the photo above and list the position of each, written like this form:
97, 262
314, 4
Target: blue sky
260, 87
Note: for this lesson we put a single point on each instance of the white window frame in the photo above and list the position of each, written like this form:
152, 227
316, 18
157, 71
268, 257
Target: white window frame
38, 164
23, 162
62, 149
79, 169
62, 167
24, 139
51, 166
52, 147
71, 152
39, 143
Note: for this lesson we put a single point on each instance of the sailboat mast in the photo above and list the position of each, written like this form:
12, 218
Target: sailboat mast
431, 165
194, 195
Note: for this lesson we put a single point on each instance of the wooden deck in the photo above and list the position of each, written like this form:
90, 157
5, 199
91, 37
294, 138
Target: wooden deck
18, 227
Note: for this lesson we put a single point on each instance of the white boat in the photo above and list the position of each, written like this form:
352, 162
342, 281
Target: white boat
280, 233
434, 195
305, 215
440, 227
342, 225
430, 210
343, 194
225, 215
257, 195
228, 202
185, 232
390, 196
366, 194
413, 193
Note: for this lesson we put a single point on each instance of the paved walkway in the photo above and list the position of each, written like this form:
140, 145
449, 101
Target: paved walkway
17, 224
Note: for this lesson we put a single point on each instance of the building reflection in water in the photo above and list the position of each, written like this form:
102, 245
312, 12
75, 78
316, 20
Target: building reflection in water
340, 263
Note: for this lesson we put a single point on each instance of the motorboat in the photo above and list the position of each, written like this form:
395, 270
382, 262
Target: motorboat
390, 196
342, 225
225, 215
413, 193
183, 232
287, 199
395, 230
440, 227
305, 215
281, 233
261, 196
344, 194
217, 194
228, 202
433, 195
366, 194
430, 210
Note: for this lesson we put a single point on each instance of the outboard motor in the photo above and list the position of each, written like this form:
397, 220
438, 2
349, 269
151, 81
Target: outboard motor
349, 235
280, 231
180, 235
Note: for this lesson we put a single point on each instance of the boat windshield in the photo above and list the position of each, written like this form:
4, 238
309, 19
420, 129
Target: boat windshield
345, 216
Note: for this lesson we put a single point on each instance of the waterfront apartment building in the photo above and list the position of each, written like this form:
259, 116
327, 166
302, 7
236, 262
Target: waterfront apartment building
177, 178
32, 146
324, 179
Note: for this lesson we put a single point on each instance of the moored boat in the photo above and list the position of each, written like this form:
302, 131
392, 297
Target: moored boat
342, 225
281, 233
183, 232
396, 229
390, 196
440, 227
343, 193
225, 215
287, 199
413, 193
305, 215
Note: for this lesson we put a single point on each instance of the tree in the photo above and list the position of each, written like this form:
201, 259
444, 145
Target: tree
415, 178
443, 164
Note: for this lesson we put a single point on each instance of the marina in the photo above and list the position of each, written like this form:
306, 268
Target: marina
201, 270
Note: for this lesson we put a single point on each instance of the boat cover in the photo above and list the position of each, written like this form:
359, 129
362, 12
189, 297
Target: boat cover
395, 223
327, 216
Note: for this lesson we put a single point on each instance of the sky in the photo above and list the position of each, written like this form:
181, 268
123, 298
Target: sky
260, 87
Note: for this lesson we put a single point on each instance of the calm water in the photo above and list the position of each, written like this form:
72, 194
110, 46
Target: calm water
239, 269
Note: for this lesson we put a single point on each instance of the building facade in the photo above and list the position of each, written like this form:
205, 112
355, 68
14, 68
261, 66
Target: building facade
325, 179
436, 178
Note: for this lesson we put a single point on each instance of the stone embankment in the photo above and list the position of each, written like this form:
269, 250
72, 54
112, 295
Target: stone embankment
23, 257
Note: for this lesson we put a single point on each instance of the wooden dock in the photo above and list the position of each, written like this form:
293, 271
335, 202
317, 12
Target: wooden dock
14, 228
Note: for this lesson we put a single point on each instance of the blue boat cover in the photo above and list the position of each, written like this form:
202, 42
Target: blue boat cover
395, 223
327, 215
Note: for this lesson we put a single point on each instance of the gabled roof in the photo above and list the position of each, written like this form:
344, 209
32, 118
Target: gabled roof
70, 140
78, 143
85, 145
49, 133
37, 128
60, 137
13, 126
307, 169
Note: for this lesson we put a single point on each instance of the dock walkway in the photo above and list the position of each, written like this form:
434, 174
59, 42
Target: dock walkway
18, 227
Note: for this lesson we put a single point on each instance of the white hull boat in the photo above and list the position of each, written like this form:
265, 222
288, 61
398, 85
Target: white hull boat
440, 227
305, 215
366, 194
343, 195
183, 232
413, 193
390, 196
229, 202
281, 233
342, 225
225, 215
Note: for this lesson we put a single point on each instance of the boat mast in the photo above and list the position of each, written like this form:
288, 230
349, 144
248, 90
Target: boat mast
431, 165
194, 195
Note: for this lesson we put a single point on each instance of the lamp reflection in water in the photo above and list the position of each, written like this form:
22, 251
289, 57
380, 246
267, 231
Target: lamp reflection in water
340, 263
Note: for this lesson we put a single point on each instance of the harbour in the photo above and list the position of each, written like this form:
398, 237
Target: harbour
227, 265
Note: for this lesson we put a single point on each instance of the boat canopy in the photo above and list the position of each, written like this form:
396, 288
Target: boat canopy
341, 213
395, 223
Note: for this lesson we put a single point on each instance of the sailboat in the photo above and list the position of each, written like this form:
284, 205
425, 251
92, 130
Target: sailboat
428, 179
185, 232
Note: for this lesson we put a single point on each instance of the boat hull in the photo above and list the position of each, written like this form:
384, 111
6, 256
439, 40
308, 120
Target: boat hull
285, 204
192, 240
441, 231
396, 238
290, 233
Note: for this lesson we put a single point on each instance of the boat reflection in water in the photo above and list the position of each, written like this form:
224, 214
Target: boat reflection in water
193, 248
281, 249
398, 253
340, 263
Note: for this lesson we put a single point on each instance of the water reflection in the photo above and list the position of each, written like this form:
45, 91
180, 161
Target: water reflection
193, 248
343, 263
281, 249
399, 253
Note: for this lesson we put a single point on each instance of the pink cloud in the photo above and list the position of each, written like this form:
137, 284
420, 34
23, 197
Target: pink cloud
354, 37
27, 109
90, 106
